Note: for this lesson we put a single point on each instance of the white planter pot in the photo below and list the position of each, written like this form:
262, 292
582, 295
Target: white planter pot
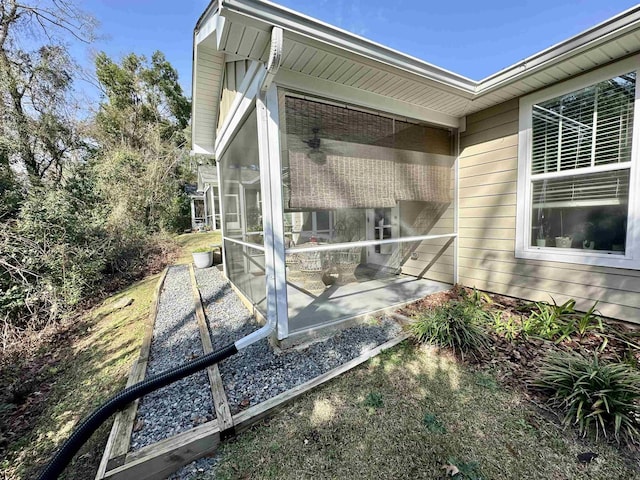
203, 259
541, 242
563, 242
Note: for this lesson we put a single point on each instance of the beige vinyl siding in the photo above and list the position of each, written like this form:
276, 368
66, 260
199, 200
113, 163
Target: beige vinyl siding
488, 175
234, 73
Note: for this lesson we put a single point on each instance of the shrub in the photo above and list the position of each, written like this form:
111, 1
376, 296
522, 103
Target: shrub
547, 320
455, 325
595, 396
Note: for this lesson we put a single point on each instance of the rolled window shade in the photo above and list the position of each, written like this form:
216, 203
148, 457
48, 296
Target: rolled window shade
343, 158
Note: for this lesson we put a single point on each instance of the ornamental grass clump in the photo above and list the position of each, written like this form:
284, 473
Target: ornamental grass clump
456, 325
596, 396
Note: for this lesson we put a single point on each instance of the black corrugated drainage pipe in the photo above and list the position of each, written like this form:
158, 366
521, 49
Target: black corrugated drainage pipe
119, 401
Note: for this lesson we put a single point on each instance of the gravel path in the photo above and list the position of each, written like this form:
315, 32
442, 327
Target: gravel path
176, 339
258, 373
250, 377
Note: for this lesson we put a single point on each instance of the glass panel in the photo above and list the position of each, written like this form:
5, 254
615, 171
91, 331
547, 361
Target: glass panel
242, 203
588, 127
581, 211
349, 176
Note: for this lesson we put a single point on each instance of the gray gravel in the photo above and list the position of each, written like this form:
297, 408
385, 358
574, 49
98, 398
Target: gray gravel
201, 469
176, 339
258, 373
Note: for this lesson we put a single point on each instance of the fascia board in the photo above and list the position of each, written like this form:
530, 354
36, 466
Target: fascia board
207, 28
291, 21
211, 8
600, 34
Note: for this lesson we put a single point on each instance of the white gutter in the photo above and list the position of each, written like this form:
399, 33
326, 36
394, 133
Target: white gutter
586, 40
273, 64
267, 14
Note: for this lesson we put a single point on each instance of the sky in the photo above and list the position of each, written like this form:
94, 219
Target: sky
470, 38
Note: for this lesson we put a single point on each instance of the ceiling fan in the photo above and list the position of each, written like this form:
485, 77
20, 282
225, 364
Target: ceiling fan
315, 154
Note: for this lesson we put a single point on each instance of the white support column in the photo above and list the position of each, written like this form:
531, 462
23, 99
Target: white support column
456, 194
223, 233
206, 210
193, 214
214, 224
272, 212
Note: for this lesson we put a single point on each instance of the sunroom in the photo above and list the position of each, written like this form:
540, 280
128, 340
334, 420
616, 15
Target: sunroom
323, 219
346, 168
349, 226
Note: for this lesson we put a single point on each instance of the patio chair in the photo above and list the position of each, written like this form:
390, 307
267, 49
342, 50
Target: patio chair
346, 262
311, 268
292, 262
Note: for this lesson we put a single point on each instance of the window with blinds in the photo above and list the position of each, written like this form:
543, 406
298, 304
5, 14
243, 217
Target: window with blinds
580, 167
585, 128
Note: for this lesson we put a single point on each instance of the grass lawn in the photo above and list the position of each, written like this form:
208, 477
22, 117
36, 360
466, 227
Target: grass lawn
190, 241
82, 365
408, 413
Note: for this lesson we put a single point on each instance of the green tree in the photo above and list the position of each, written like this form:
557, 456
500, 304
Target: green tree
140, 128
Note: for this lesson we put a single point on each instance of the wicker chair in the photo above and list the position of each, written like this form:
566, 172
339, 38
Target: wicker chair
292, 262
346, 262
311, 268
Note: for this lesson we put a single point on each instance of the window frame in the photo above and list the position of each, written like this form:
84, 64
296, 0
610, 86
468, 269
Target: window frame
523, 247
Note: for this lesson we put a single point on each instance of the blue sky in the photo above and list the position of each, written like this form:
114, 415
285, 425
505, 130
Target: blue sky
470, 38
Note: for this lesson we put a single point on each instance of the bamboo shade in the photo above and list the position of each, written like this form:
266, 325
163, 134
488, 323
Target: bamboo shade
361, 161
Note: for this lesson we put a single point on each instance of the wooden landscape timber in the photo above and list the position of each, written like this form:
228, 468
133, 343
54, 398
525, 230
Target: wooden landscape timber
220, 403
120, 436
162, 458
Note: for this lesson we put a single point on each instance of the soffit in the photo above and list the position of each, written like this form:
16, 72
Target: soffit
321, 51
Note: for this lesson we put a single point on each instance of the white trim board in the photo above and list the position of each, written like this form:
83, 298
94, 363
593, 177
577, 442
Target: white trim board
318, 87
523, 249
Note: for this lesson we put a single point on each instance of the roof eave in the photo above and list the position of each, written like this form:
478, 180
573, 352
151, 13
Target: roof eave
292, 21
590, 38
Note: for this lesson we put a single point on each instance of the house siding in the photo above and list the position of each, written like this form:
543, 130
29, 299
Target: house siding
234, 73
435, 258
488, 172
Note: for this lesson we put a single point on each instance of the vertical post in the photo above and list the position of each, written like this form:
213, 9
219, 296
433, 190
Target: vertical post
193, 214
225, 269
206, 210
456, 201
272, 211
214, 224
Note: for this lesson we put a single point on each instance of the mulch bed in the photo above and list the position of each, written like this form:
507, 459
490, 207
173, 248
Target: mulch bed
514, 363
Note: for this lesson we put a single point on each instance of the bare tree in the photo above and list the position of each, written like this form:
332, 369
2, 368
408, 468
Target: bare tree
36, 75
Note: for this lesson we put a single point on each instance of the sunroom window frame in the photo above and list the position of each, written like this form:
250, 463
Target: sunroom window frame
523, 246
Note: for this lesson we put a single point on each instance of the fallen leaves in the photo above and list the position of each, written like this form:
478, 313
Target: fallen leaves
450, 470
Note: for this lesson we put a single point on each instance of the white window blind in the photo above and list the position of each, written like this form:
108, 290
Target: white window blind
599, 189
585, 128
577, 171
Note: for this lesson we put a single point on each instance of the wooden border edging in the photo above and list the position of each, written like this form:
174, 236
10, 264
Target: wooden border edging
160, 459
220, 403
244, 420
120, 436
